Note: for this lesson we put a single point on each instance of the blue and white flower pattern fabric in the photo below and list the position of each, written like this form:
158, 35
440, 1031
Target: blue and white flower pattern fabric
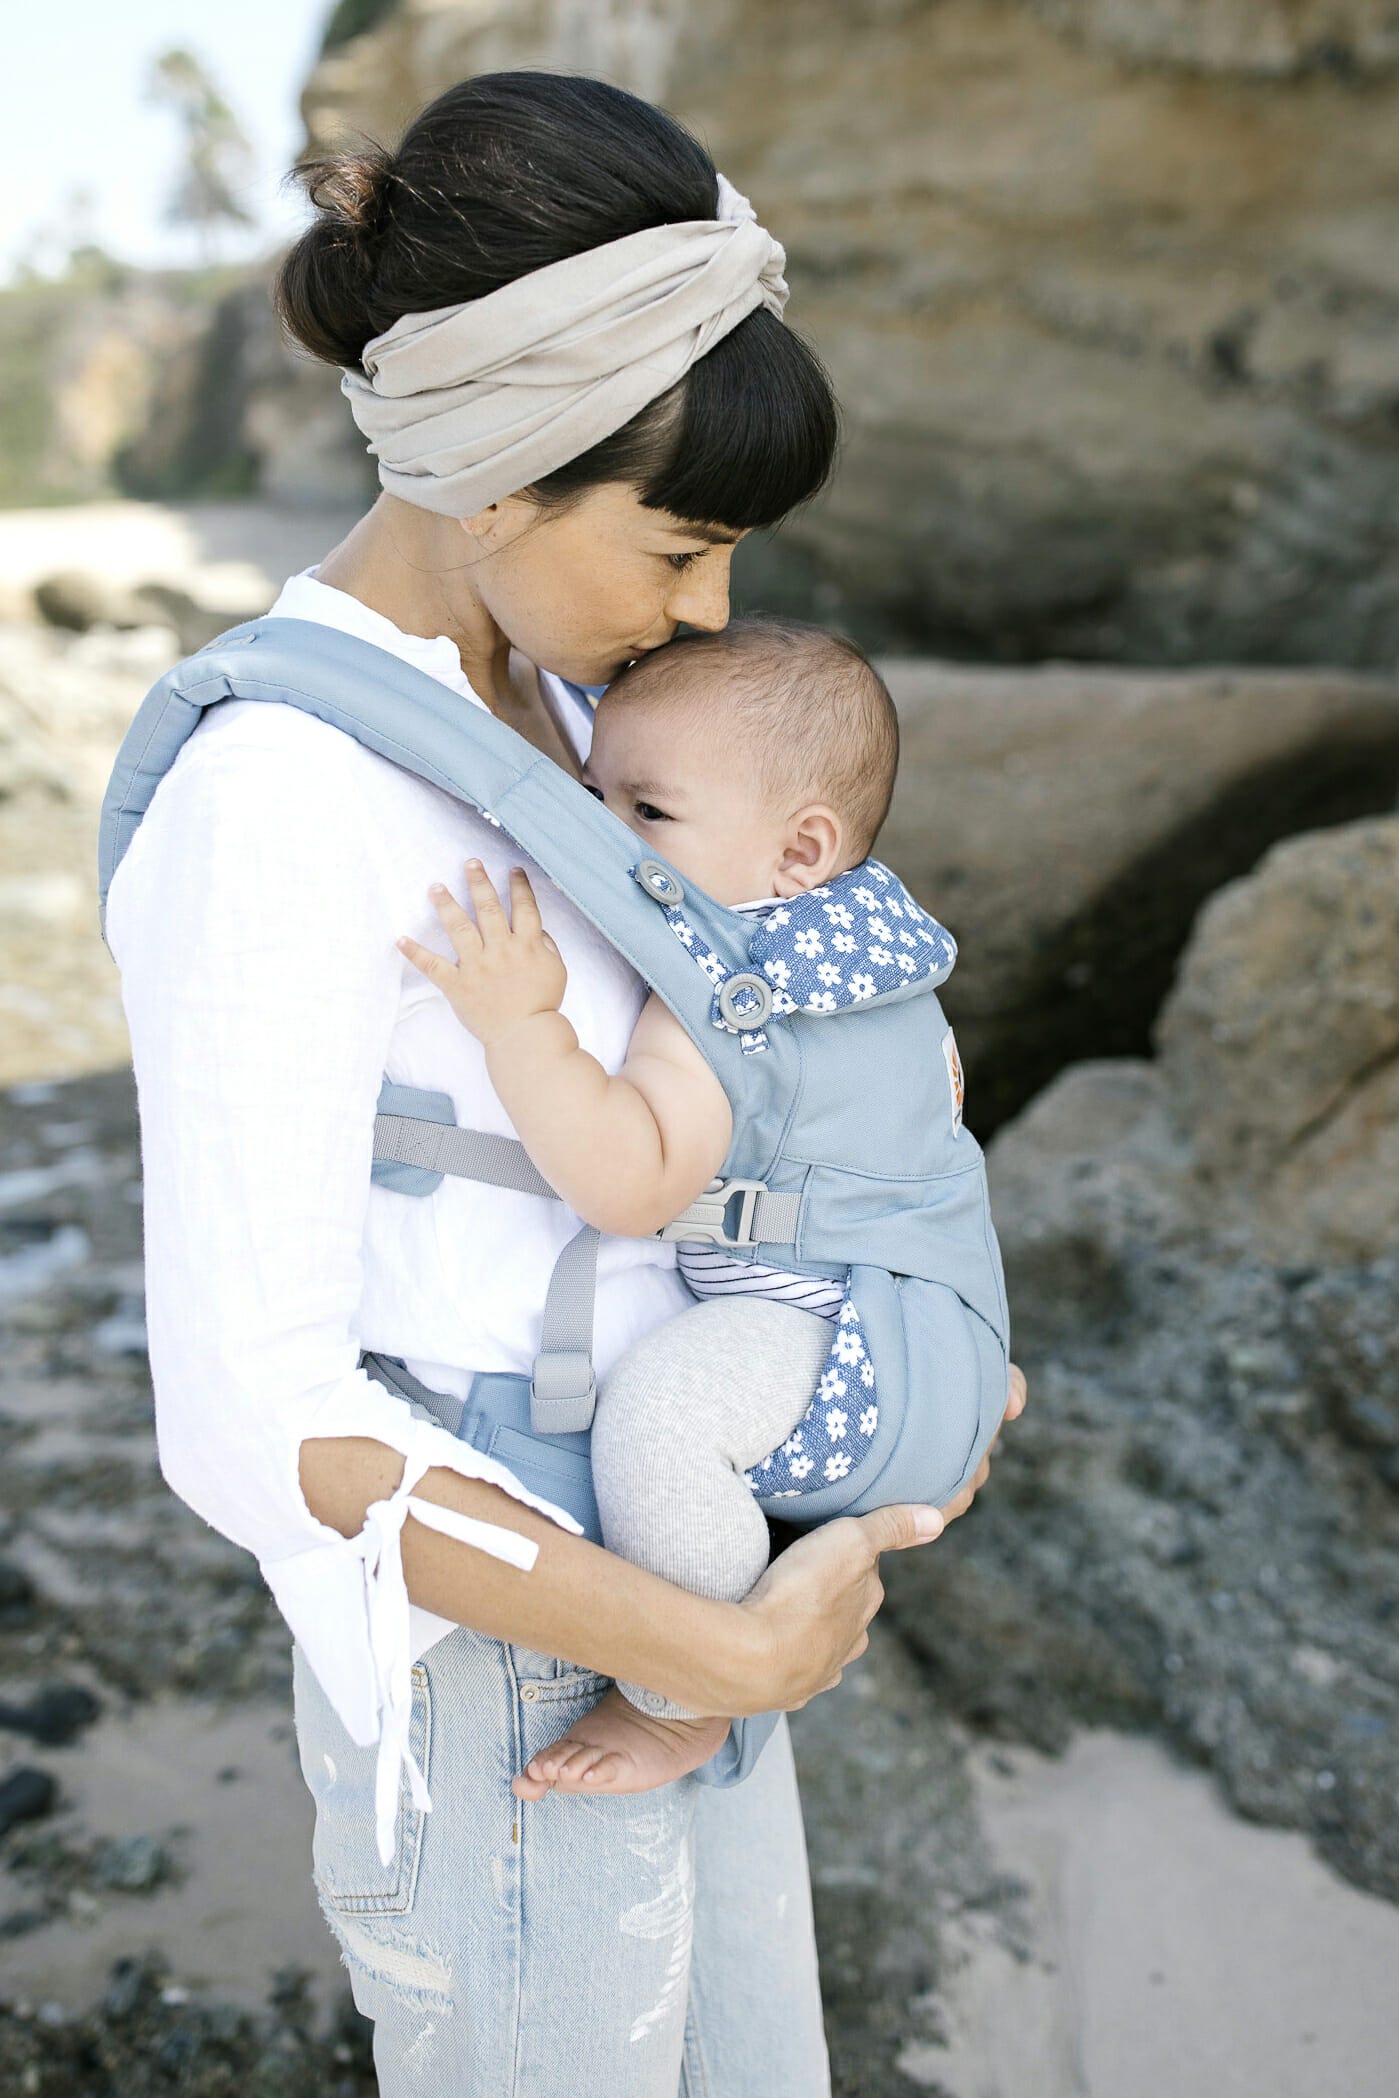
837, 1427
852, 941
826, 951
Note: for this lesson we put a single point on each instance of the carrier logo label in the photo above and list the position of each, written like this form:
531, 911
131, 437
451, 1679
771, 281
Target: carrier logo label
954, 1078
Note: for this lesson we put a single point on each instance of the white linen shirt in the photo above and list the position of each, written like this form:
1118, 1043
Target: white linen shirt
254, 919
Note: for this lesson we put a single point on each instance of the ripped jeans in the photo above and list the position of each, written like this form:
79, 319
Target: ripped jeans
658, 1946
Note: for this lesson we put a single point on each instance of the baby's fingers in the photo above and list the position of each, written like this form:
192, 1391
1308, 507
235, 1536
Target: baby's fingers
490, 913
456, 921
434, 966
524, 904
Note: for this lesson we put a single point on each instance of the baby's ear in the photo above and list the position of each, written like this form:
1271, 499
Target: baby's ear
813, 850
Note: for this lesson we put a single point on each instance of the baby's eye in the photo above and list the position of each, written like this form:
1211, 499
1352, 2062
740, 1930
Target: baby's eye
649, 813
596, 792
682, 561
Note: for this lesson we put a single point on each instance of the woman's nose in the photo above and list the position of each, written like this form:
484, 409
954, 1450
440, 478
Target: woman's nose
701, 597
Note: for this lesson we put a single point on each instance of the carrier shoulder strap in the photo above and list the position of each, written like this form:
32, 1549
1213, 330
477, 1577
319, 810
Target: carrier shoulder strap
418, 723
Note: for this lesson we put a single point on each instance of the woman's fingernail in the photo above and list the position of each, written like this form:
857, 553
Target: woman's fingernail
475, 866
436, 888
927, 1524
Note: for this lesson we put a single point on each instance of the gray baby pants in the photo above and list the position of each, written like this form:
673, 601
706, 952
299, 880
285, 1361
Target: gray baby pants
684, 1413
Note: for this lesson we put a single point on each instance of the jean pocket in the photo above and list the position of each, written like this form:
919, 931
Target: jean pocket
571, 1686
340, 1776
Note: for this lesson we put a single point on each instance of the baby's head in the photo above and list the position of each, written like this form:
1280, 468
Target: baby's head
758, 761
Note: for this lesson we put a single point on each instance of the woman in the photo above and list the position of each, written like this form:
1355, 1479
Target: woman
565, 475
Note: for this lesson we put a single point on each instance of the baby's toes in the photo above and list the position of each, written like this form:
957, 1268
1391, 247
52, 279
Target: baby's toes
550, 1762
527, 1786
606, 1771
580, 1774
581, 1756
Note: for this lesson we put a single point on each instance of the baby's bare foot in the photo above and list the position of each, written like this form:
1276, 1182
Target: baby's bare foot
618, 1749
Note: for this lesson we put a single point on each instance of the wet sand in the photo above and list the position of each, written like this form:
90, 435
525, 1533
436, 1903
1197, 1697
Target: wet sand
221, 1791
1176, 1949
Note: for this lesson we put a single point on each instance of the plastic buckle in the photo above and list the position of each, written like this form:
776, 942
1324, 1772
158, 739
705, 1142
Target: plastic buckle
705, 1218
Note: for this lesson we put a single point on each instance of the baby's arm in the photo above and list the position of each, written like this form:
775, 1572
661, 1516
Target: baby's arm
627, 1153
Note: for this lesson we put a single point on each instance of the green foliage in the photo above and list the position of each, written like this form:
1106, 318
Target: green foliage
351, 18
28, 315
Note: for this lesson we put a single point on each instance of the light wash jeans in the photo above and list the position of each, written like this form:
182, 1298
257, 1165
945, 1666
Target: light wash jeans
659, 1946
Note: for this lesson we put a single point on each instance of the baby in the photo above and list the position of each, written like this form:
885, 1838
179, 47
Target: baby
759, 763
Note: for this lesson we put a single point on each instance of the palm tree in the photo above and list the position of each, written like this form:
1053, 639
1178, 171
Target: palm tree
217, 154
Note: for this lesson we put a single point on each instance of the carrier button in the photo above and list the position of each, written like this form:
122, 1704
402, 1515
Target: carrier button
658, 881
745, 1001
653, 1700
529, 1693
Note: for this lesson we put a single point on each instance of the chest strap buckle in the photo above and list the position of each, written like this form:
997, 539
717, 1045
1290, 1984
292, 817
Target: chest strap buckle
707, 1216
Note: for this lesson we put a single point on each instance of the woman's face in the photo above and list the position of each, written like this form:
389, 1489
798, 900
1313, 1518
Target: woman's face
585, 589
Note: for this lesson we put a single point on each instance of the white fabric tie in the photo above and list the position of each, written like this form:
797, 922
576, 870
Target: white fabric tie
380, 1546
467, 404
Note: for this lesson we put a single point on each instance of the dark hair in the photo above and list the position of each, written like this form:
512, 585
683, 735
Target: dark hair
808, 711
508, 172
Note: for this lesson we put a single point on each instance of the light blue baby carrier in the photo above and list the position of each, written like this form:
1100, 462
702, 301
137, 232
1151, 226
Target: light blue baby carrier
820, 1020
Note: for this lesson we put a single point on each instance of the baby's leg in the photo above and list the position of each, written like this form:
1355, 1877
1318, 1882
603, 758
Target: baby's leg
682, 1416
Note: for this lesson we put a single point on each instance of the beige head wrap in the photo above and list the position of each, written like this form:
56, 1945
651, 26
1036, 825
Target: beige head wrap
467, 404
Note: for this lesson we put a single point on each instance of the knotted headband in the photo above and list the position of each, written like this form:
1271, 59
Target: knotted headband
464, 405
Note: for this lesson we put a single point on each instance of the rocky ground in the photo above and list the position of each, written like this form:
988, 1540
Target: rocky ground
1110, 1810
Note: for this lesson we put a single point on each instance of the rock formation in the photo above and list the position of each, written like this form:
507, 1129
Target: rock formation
1108, 289
1067, 824
1195, 1526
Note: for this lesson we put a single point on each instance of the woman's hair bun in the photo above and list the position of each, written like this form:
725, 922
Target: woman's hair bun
350, 187
324, 289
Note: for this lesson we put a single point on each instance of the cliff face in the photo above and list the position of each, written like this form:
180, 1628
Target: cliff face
167, 385
1108, 288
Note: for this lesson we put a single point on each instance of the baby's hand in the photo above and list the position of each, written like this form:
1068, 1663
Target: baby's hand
507, 969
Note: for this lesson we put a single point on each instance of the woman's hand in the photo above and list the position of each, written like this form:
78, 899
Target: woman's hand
813, 1606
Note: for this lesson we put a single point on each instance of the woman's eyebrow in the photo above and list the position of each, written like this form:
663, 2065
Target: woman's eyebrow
716, 535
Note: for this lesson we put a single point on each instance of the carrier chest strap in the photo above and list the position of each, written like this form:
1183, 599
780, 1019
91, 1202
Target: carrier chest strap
468, 1154
563, 1391
728, 1213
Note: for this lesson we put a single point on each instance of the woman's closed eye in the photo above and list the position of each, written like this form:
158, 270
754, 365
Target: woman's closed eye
682, 561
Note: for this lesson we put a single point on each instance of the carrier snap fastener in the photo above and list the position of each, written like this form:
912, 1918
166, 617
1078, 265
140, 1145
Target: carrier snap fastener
745, 1002
658, 881
529, 1693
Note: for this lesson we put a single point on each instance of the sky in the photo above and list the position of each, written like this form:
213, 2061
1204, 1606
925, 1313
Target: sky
72, 116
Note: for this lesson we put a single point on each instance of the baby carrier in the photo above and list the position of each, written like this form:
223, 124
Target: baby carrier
820, 1020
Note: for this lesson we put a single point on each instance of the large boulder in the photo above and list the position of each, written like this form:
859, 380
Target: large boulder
1280, 1045
1107, 288
1346, 1334
1067, 825
1194, 1524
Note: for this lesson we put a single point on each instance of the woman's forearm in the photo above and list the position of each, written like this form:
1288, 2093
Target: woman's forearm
579, 1602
